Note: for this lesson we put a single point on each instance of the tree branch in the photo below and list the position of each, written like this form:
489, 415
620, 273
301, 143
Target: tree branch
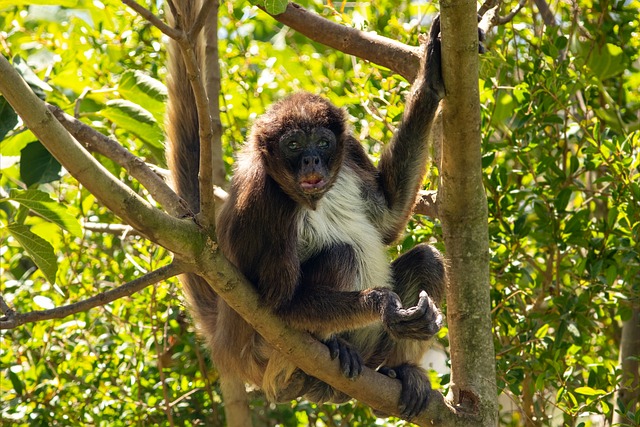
211, 70
11, 319
119, 198
169, 31
93, 140
398, 57
371, 388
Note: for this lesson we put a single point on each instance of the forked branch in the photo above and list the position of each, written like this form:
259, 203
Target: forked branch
12, 319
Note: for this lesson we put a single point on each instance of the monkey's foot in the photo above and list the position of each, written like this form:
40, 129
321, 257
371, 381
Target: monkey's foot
416, 387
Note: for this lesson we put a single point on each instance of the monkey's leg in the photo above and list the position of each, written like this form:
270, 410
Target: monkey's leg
420, 269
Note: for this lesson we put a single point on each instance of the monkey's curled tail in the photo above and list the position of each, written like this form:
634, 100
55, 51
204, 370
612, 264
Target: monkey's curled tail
183, 159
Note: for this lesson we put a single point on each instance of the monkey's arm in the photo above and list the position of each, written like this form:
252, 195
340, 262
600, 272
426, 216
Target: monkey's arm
322, 303
402, 164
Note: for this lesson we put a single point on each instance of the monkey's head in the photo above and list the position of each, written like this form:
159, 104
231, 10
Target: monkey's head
301, 142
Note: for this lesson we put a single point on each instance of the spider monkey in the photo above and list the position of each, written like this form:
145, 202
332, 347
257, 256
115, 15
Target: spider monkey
307, 221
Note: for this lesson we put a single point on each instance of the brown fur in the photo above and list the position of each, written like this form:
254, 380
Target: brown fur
321, 284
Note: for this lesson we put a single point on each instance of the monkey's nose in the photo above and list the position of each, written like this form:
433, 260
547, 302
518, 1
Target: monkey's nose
311, 160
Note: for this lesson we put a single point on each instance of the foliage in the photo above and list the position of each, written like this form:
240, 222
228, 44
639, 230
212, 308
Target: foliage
562, 157
562, 165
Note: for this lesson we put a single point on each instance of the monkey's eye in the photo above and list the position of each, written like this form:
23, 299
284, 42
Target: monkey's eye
293, 145
323, 144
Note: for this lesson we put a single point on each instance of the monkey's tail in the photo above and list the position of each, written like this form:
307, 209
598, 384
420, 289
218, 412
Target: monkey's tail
183, 159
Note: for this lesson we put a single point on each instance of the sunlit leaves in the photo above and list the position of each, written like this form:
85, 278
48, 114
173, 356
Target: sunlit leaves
38, 249
49, 209
145, 91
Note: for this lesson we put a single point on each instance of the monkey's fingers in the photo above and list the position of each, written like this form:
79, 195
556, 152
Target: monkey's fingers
350, 362
420, 322
334, 347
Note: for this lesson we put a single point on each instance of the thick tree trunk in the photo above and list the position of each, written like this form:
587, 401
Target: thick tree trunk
463, 212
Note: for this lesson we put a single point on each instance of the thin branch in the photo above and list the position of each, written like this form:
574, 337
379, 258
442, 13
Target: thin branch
203, 15
115, 229
153, 19
186, 44
211, 71
160, 227
546, 13
11, 319
504, 19
93, 140
398, 57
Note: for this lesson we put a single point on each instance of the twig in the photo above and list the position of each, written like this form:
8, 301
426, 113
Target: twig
157, 22
504, 19
203, 15
11, 319
115, 229
546, 13
93, 140
186, 44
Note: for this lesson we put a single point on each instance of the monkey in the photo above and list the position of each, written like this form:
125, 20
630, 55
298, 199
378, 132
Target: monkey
307, 221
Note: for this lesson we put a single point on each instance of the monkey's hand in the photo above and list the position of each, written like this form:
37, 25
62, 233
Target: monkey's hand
433, 57
420, 322
350, 361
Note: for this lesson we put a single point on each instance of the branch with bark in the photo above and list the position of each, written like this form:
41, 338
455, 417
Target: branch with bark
94, 141
12, 319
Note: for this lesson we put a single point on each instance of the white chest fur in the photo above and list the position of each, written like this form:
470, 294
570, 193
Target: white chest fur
340, 217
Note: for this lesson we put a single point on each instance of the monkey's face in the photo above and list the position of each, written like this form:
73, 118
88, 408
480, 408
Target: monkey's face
301, 142
309, 156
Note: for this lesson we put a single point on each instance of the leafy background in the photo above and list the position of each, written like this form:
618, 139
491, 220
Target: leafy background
561, 159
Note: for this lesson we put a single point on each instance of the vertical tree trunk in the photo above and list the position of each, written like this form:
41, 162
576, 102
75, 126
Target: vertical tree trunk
629, 391
236, 402
463, 211
211, 72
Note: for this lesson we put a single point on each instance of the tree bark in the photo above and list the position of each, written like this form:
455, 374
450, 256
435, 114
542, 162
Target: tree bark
211, 73
463, 211
398, 57
628, 392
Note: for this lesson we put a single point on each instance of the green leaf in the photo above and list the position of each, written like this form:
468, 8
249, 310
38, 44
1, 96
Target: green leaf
13, 3
37, 248
135, 119
149, 93
562, 200
607, 61
16, 142
17, 383
37, 165
32, 79
8, 117
275, 7
48, 208
588, 391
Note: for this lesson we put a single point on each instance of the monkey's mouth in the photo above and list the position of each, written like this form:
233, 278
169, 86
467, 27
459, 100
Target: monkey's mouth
312, 183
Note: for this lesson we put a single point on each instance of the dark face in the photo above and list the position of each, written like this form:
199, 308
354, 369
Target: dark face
301, 140
308, 155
